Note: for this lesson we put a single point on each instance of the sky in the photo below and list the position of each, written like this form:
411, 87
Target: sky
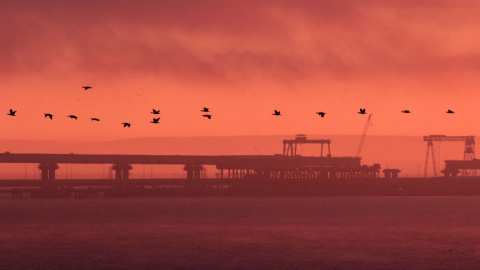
241, 59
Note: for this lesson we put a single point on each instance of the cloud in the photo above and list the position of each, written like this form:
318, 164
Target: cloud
220, 41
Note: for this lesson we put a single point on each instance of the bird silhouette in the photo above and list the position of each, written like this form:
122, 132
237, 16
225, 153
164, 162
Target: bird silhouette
207, 116
11, 112
48, 115
405, 111
155, 111
276, 112
362, 111
94, 119
126, 124
322, 114
72, 116
205, 109
86, 87
450, 111
155, 120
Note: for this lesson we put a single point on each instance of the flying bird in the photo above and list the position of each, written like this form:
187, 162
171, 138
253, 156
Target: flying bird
86, 87
94, 119
72, 116
11, 113
276, 112
155, 120
155, 111
126, 124
362, 111
405, 111
322, 114
48, 115
207, 116
450, 111
204, 109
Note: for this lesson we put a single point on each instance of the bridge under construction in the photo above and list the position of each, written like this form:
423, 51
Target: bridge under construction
231, 170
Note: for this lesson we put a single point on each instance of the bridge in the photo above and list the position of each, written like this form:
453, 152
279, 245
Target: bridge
230, 167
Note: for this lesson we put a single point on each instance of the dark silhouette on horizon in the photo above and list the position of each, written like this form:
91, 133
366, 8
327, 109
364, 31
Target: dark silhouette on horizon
126, 124
322, 114
48, 115
207, 116
87, 87
155, 111
94, 119
72, 116
362, 111
155, 120
449, 111
405, 111
205, 109
276, 112
11, 112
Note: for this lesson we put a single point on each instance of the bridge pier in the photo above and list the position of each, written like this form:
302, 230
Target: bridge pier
48, 174
122, 173
193, 171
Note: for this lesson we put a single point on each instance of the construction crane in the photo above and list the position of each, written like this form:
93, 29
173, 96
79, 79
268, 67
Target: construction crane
362, 140
468, 152
290, 146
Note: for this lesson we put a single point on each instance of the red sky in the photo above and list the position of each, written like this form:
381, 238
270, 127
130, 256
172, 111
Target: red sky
242, 59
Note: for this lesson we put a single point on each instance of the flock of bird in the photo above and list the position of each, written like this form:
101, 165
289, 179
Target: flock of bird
361, 111
205, 110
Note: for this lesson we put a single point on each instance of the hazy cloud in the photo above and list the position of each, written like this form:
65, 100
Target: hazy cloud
219, 40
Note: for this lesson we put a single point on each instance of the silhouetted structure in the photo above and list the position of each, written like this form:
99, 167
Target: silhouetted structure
391, 173
290, 146
364, 134
244, 170
468, 152
455, 167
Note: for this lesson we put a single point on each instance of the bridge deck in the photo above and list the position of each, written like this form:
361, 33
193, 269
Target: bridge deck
233, 161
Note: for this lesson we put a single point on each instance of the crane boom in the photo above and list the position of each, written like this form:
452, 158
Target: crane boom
362, 140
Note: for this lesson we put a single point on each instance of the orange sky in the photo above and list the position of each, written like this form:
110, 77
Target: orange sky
242, 59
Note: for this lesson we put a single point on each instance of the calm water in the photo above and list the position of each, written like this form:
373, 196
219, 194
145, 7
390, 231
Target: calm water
241, 233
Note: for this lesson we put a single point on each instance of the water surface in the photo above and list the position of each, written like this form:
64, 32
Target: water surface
241, 233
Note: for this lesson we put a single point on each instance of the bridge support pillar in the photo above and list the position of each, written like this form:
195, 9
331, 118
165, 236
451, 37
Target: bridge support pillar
193, 171
48, 173
122, 173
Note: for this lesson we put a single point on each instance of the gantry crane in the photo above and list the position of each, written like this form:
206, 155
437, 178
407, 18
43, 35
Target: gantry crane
362, 139
290, 146
468, 153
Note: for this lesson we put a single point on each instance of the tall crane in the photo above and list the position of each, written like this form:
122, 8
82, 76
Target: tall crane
362, 140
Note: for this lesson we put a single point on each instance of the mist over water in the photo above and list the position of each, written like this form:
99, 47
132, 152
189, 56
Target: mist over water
241, 233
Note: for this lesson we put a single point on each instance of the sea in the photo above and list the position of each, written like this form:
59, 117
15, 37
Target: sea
240, 233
